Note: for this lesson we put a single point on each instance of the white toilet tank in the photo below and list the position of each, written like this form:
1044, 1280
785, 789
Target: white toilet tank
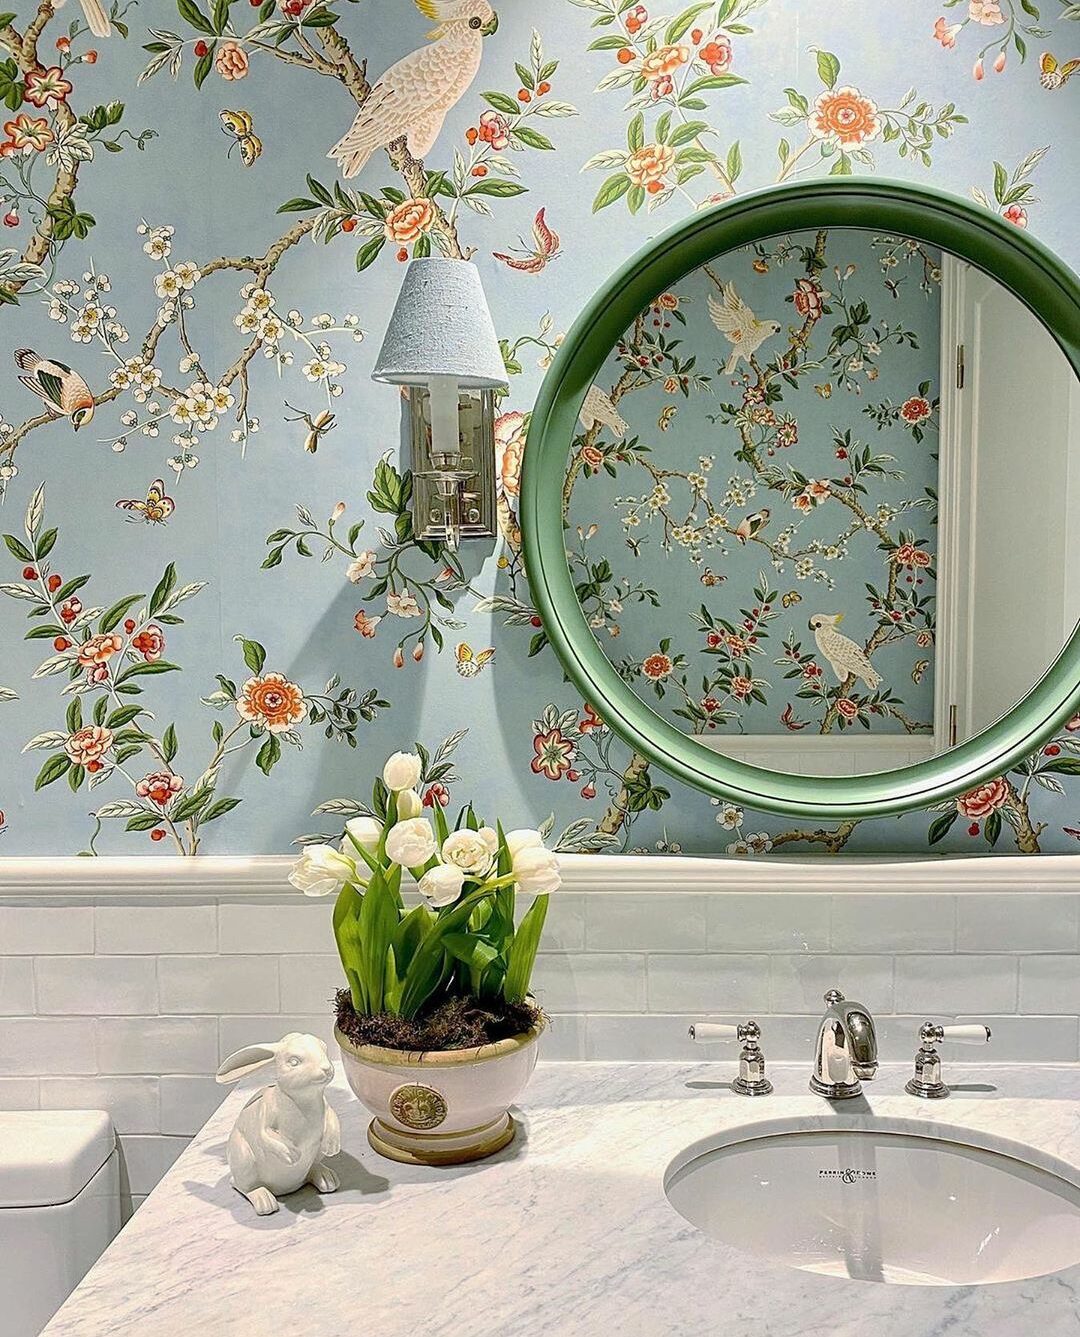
59, 1209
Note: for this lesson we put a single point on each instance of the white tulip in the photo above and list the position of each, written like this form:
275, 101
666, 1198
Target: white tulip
363, 831
402, 771
535, 867
471, 851
411, 843
441, 885
321, 871
409, 804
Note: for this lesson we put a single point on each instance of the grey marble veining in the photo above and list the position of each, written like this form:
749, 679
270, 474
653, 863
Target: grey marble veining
565, 1234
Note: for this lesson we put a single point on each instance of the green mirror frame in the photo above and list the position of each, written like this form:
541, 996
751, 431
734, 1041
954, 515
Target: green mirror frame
1029, 270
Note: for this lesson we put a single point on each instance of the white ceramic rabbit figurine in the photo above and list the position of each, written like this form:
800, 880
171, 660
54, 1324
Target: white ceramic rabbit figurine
284, 1130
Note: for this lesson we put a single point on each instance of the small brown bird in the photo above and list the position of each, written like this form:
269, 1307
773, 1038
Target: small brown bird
751, 525
63, 391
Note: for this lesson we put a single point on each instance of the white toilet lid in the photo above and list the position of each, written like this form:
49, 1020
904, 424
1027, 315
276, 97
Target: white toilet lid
49, 1156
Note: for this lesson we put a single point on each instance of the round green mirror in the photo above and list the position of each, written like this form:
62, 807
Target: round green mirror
845, 400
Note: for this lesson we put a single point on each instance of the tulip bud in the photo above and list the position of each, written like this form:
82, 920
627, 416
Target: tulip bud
418, 651
978, 72
338, 512
999, 62
399, 658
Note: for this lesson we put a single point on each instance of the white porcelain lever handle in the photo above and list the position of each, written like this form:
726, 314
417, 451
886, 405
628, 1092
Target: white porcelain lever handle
968, 1034
709, 1032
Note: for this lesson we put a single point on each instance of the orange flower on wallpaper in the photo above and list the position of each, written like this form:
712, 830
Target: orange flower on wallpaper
846, 115
409, 220
648, 165
272, 701
509, 449
231, 61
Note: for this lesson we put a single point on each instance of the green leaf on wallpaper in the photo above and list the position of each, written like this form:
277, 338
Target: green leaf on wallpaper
533, 139
297, 205
53, 769
6, 20
614, 188
319, 18
369, 253
163, 589
18, 549
502, 103
220, 15
254, 654
272, 558
111, 618
635, 198
168, 741
219, 809
734, 162
501, 190
143, 821
190, 12
828, 68
682, 134
635, 133
11, 85
269, 754
1001, 182
940, 826
612, 42
203, 66
712, 81
681, 23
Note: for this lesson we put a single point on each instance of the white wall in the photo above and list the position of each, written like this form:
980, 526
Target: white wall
124, 983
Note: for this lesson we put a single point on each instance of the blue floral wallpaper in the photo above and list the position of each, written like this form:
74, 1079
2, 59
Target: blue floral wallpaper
214, 612
742, 496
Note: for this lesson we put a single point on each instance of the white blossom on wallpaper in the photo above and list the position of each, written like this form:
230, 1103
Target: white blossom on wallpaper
205, 211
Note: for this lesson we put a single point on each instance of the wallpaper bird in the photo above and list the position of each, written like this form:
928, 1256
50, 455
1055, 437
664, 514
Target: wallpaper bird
841, 651
95, 14
598, 407
742, 329
63, 391
412, 98
751, 525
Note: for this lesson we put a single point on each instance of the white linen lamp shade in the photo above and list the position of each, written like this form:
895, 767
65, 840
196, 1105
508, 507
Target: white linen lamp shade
441, 326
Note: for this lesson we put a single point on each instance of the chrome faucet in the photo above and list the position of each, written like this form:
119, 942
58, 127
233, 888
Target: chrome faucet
846, 1049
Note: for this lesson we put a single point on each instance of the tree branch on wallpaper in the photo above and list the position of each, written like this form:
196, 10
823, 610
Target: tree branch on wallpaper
106, 654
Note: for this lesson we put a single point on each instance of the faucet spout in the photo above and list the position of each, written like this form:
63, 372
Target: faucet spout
846, 1053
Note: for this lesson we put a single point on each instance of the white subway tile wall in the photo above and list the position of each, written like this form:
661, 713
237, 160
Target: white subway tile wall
131, 1006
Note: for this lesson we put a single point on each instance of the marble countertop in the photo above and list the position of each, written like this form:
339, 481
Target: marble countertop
566, 1233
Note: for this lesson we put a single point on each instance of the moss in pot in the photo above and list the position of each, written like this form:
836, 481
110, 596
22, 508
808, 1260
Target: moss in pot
437, 1030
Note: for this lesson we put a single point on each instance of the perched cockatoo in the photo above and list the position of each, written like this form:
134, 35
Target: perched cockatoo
598, 407
63, 391
751, 525
843, 654
95, 14
412, 98
742, 329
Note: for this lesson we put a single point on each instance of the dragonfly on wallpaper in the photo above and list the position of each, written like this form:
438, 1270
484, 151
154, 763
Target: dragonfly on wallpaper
545, 247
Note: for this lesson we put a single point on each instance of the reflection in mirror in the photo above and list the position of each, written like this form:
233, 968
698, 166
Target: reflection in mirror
818, 504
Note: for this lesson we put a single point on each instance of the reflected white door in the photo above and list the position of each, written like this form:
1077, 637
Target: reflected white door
1010, 503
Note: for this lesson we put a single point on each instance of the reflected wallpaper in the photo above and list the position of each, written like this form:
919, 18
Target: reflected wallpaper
771, 472
214, 612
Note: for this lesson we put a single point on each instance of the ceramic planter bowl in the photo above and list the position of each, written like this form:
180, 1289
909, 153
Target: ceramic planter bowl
440, 1107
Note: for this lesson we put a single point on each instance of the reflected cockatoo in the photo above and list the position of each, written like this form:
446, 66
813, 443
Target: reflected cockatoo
412, 98
95, 14
63, 391
841, 651
742, 329
598, 407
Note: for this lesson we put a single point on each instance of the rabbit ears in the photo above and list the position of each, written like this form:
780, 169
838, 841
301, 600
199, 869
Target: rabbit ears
246, 1060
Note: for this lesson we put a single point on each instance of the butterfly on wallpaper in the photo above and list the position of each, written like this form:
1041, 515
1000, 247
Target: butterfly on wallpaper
792, 598
917, 673
710, 578
240, 125
470, 663
157, 507
825, 391
545, 248
667, 417
317, 426
1052, 75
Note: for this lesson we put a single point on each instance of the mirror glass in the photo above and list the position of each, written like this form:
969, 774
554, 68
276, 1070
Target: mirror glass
818, 503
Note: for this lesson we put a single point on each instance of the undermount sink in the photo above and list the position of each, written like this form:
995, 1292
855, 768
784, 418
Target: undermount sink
881, 1205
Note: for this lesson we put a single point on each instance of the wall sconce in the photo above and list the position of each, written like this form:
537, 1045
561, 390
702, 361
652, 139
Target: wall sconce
441, 346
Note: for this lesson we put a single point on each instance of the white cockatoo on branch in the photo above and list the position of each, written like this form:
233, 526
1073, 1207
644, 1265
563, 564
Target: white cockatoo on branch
599, 407
95, 14
843, 654
412, 98
742, 329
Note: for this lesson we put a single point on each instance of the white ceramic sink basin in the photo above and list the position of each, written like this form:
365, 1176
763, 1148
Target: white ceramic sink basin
881, 1206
